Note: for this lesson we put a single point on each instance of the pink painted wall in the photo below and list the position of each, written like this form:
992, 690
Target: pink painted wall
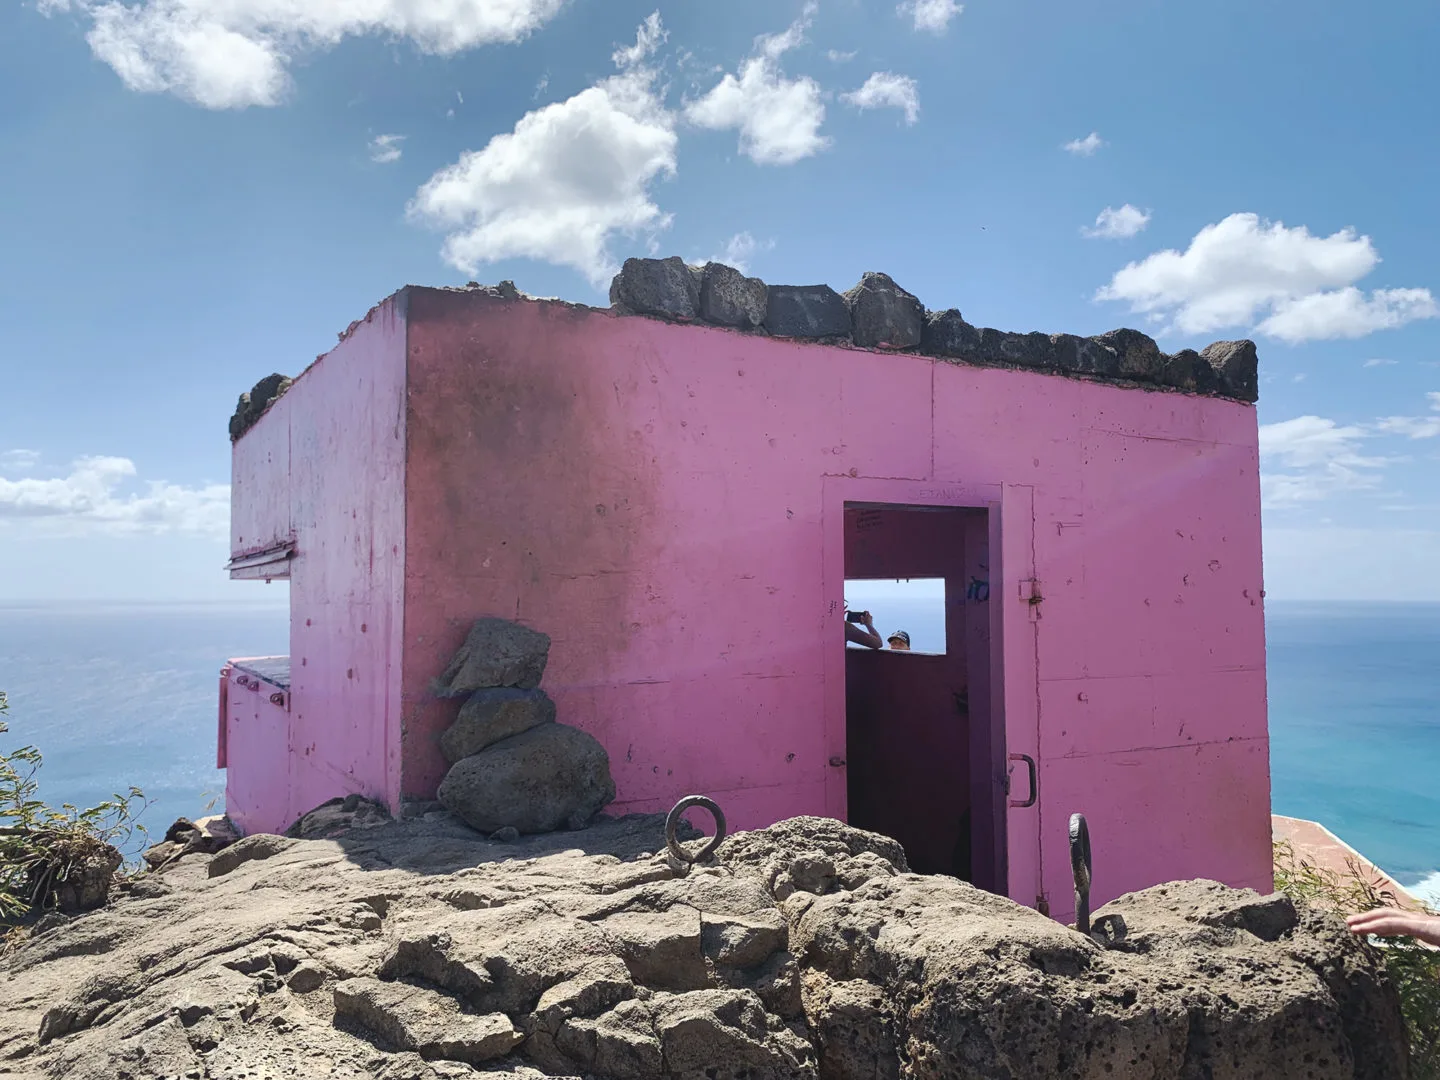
343, 423
255, 726
260, 487
667, 503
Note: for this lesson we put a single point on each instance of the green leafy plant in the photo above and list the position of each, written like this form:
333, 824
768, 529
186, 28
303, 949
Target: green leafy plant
1414, 967
42, 848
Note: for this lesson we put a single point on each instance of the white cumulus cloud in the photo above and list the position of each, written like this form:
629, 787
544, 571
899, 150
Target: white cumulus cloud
885, 90
568, 177
1121, 224
1284, 282
778, 117
1347, 313
92, 497
931, 16
1085, 147
385, 149
228, 54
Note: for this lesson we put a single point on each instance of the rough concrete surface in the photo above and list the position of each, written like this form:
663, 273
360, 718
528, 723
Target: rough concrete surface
416, 950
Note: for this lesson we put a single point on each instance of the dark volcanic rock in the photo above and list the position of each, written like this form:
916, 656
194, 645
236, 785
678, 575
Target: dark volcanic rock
496, 653
418, 949
1139, 357
538, 781
729, 298
254, 403
665, 287
806, 311
494, 714
884, 315
1236, 364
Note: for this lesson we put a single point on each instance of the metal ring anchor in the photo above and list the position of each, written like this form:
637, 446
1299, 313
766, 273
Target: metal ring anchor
1108, 930
672, 825
1080, 869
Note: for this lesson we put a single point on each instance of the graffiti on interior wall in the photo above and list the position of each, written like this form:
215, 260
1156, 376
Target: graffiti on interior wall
978, 591
868, 519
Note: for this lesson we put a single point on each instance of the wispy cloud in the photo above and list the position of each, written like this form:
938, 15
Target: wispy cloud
1377, 362
930, 16
835, 56
19, 461
1415, 427
385, 149
886, 90
1121, 224
1310, 457
740, 249
1085, 147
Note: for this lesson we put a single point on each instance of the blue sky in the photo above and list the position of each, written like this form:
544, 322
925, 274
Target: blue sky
197, 193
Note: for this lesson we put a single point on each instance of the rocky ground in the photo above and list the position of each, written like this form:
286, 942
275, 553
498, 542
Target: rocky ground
420, 950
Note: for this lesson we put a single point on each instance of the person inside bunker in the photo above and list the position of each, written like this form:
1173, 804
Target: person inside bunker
900, 641
860, 628
1388, 922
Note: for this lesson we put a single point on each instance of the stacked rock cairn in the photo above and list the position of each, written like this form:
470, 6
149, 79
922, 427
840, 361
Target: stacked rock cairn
513, 769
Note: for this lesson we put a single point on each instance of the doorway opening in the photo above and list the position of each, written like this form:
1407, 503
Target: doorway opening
924, 753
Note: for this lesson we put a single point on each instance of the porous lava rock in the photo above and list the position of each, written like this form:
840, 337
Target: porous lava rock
418, 950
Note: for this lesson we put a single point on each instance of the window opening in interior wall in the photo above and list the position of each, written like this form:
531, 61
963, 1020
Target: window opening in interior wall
914, 607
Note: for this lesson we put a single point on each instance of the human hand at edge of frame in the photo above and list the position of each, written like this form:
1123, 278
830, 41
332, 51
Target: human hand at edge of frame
1393, 922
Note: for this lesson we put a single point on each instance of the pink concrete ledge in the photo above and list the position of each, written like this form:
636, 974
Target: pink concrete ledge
1317, 845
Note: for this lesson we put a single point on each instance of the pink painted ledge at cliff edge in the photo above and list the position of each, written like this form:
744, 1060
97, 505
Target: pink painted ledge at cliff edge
1312, 842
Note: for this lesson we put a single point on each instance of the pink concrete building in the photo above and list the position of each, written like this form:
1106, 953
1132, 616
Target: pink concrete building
679, 505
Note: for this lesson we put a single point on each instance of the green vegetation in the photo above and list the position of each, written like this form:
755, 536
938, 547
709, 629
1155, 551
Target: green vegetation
41, 848
1414, 968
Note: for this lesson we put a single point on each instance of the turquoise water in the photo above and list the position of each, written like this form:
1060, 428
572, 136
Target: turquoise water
128, 695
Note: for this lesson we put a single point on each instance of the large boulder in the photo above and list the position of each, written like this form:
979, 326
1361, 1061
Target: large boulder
1138, 355
669, 288
1237, 366
729, 298
806, 311
884, 315
494, 714
497, 652
550, 777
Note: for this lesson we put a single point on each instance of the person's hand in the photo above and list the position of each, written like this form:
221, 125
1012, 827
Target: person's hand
868, 620
1392, 922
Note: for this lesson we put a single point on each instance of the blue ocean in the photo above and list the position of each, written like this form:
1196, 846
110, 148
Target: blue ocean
127, 695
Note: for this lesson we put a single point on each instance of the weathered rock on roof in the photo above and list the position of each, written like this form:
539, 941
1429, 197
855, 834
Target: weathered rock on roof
876, 314
419, 950
252, 405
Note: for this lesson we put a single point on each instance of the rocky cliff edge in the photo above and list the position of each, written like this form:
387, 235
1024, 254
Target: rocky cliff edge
419, 950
